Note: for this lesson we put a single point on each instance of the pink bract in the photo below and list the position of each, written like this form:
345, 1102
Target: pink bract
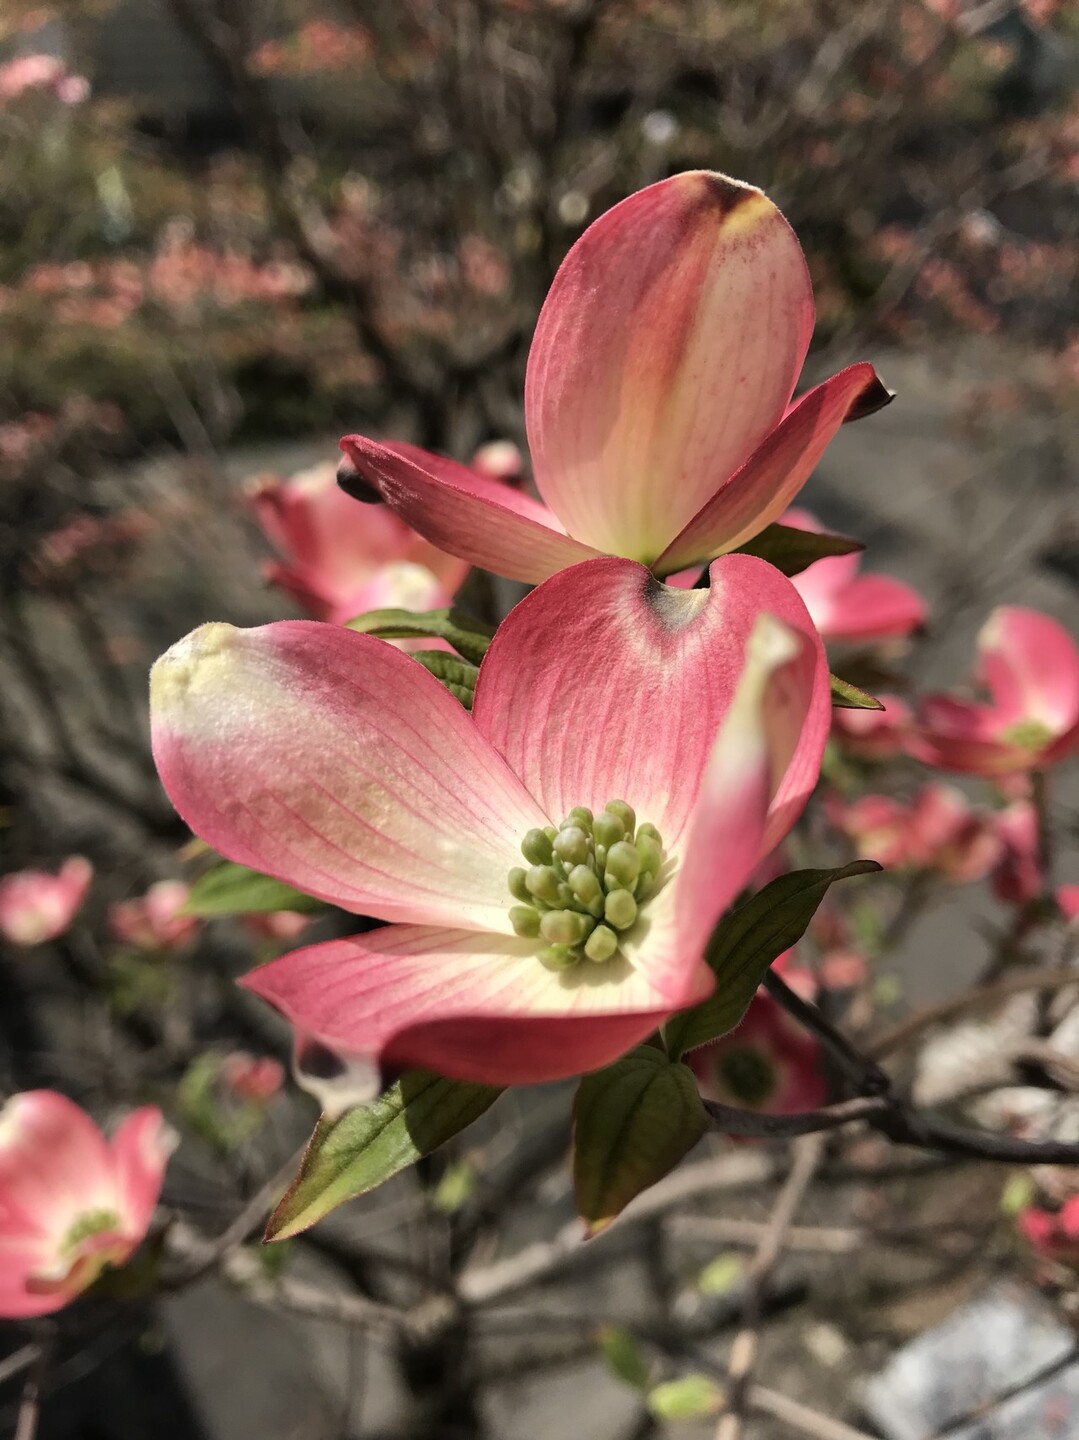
36, 906
845, 605
657, 396
341, 558
1029, 666
1054, 1234
336, 763
71, 1202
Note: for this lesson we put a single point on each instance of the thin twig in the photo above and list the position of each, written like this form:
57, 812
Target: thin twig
808, 1153
800, 1417
18, 1361
1049, 977
30, 1405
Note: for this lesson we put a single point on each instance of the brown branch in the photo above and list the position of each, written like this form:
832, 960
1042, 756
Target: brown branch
808, 1153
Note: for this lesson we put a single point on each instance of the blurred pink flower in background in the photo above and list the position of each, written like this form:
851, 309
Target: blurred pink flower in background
42, 72
873, 734
71, 1202
152, 921
1054, 1234
36, 906
767, 1063
1029, 665
276, 924
499, 460
255, 1078
341, 558
939, 830
1018, 874
847, 606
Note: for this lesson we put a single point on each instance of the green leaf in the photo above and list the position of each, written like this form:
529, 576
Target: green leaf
623, 1356
692, 1398
469, 637
722, 1274
633, 1122
230, 889
744, 944
362, 1148
846, 696
459, 676
792, 550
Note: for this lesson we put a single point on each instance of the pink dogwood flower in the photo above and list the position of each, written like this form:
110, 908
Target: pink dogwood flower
71, 1202
657, 396
939, 830
551, 864
767, 1063
1053, 1234
873, 734
254, 1078
340, 558
153, 922
851, 607
1029, 665
36, 906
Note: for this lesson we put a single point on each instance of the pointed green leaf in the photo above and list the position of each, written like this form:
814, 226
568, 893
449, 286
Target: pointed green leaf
746, 942
229, 889
694, 1397
459, 676
846, 696
362, 1148
623, 1355
633, 1122
469, 637
792, 550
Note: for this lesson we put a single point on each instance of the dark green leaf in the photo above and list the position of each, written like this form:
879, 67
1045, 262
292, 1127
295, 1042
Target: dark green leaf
468, 637
230, 889
362, 1148
746, 942
792, 550
459, 676
633, 1122
848, 697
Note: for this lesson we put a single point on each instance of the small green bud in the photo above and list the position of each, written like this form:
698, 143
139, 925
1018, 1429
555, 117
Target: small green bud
650, 852
563, 927
580, 816
587, 890
623, 866
607, 828
571, 845
543, 882
649, 829
601, 944
646, 883
620, 909
550, 832
601, 856
558, 957
624, 812
536, 848
525, 920
517, 879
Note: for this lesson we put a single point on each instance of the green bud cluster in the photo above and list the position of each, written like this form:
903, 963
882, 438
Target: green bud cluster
585, 883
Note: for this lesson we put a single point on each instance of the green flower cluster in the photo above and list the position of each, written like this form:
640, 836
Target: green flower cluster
585, 883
